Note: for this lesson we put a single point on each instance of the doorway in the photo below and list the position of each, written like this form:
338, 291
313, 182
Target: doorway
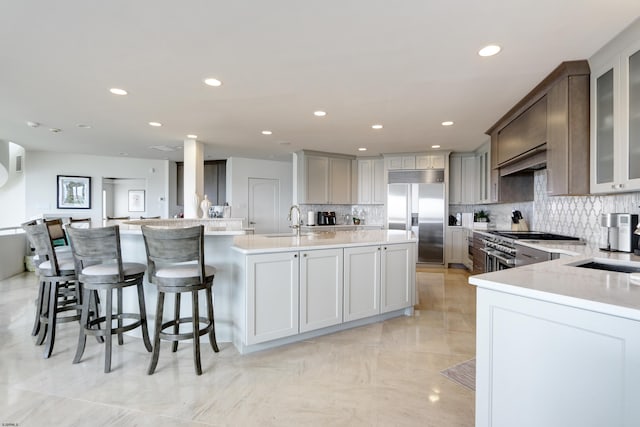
264, 203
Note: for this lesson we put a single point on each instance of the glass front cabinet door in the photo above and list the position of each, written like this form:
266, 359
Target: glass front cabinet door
615, 124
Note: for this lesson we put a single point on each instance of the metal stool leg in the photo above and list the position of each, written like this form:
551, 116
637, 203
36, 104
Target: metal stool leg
143, 318
119, 311
108, 328
51, 318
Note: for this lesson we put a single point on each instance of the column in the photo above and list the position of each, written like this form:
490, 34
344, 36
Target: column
193, 177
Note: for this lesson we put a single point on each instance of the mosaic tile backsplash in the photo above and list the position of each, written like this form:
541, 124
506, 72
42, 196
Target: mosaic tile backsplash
577, 216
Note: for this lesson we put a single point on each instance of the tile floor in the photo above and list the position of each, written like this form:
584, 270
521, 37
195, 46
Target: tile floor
385, 374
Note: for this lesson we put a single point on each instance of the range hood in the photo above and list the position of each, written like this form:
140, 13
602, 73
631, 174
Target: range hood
530, 161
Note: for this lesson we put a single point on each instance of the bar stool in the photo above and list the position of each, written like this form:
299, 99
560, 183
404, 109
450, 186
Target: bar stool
98, 261
175, 259
58, 290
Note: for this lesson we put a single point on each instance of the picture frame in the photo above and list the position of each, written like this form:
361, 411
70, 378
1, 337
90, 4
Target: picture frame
136, 201
74, 192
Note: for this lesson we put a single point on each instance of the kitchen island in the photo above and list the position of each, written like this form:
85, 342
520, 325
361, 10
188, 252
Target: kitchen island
291, 288
559, 344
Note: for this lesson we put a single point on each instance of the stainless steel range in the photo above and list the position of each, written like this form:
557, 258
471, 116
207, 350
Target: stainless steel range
502, 251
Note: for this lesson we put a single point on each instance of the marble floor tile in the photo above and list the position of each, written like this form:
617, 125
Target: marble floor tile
383, 374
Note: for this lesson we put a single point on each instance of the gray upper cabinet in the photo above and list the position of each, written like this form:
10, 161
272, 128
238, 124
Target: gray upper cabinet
371, 181
323, 178
615, 112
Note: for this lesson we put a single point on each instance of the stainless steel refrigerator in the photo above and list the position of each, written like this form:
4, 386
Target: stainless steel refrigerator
416, 202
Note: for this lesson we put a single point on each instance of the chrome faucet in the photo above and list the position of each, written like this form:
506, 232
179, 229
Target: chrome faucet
296, 225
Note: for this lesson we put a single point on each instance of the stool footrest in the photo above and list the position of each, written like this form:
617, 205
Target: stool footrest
187, 335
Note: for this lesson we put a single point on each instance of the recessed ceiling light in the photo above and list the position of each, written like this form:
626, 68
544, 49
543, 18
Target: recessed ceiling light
55, 130
212, 82
192, 136
447, 123
435, 146
319, 113
155, 124
490, 50
33, 124
267, 132
362, 149
376, 127
83, 126
117, 91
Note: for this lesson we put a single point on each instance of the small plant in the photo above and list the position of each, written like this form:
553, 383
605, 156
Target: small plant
481, 216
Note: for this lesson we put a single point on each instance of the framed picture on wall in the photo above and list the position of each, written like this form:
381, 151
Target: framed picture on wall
136, 200
74, 192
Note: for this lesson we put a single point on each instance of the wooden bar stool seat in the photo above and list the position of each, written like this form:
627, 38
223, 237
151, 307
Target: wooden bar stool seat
175, 260
98, 261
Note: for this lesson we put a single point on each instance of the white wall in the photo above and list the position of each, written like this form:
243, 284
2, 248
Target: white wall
12, 194
239, 170
121, 189
41, 170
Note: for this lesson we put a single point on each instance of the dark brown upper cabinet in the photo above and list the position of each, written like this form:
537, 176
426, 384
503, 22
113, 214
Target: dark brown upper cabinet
548, 128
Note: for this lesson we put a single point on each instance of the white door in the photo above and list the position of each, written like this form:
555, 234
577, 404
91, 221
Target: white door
264, 202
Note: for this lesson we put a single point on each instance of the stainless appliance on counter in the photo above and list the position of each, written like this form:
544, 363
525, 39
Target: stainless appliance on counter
502, 251
416, 202
618, 232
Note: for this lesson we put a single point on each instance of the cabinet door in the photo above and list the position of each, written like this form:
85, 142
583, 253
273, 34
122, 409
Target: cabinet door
455, 180
569, 353
321, 279
365, 182
393, 162
361, 282
631, 118
408, 162
454, 244
317, 179
272, 296
484, 176
340, 179
398, 267
603, 110
379, 189
468, 180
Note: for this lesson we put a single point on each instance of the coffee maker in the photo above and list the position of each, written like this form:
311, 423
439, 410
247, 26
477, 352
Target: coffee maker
618, 232
326, 218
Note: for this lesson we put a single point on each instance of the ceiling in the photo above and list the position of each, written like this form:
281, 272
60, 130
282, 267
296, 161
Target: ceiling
408, 65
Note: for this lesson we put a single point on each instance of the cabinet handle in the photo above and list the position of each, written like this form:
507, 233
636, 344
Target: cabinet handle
379, 248
305, 255
385, 248
295, 256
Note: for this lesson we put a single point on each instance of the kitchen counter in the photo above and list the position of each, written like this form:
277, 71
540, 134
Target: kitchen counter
558, 344
212, 226
260, 243
559, 281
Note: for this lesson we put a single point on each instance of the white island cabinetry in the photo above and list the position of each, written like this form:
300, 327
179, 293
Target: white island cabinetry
294, 288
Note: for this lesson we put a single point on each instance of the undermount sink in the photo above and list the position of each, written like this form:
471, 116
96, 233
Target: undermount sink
595, 264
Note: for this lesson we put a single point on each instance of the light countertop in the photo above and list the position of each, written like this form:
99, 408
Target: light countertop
263, 243
212, 227
560, 281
